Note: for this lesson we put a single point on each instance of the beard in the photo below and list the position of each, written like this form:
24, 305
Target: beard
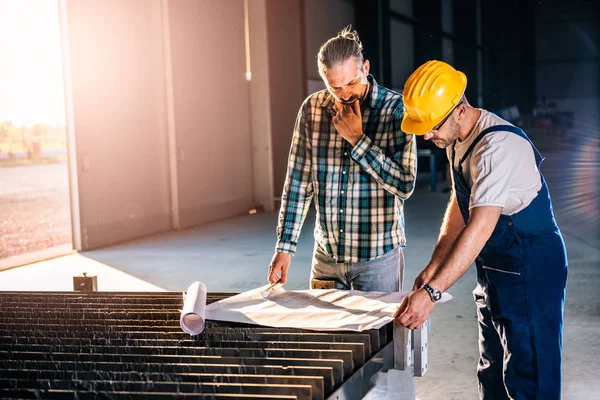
441, 143
350, 101
453, 132
355, 96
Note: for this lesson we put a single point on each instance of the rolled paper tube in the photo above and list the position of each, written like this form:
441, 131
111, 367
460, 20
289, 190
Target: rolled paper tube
272, 289
194, 308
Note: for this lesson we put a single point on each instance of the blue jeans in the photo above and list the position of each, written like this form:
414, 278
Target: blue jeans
381, 274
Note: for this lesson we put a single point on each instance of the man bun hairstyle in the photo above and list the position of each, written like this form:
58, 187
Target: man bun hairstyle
340, 48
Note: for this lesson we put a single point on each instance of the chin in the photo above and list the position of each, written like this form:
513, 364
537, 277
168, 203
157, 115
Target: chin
348, 102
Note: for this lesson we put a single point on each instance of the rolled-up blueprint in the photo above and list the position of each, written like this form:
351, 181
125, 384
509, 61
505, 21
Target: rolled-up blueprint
194, 308
272, 288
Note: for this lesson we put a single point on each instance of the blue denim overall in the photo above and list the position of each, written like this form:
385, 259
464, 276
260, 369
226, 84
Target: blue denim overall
520, 295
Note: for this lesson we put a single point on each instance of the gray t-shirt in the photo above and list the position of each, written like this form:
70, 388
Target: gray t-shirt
501, 170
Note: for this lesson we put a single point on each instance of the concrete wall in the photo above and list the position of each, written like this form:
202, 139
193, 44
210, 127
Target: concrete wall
117, 115
402, 43
260, 105
286, 78
134, 75
212, 109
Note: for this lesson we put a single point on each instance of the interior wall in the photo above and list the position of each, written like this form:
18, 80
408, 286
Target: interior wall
323, 20
117, 117
287, 79
428, 38
212, 109
567, 38
510, 75
464, 55
118, 87
404, 7
402, 41
260, 102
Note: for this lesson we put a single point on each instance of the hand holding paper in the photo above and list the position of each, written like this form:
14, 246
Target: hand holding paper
272, 289
316, 309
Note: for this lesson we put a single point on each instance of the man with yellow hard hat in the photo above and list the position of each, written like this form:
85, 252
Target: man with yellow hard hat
500, 216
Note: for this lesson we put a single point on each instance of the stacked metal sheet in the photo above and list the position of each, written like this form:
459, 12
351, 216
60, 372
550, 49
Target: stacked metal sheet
130, 345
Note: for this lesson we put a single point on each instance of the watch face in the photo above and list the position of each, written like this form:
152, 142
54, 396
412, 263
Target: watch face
437, 295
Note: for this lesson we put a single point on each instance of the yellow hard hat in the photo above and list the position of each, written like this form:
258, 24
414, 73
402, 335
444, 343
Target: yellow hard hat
430, 94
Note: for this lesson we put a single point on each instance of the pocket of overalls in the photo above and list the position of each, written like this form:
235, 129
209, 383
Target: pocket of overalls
502, 254
503, 270
504, 239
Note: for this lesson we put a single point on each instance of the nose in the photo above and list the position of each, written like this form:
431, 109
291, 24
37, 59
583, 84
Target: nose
428, 136
345, 94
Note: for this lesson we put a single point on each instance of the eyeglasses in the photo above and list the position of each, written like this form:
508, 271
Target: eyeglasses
439, 126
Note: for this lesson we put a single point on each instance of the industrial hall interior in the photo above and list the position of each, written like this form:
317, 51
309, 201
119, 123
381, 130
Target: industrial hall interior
300, 199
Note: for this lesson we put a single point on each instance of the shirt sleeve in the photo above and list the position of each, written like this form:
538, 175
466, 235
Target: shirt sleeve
493, 168
397, 173
298, 188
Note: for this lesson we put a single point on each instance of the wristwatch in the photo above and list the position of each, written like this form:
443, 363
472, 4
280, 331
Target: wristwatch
434, 294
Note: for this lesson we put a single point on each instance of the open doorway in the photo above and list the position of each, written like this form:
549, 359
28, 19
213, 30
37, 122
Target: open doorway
35, 219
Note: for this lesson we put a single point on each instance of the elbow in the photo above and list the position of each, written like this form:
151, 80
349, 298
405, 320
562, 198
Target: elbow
405, 194
407, 189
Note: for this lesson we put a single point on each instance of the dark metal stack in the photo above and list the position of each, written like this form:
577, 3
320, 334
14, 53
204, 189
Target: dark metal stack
129, 345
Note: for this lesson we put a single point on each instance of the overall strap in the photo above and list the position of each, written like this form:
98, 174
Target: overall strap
491, 129
496, 128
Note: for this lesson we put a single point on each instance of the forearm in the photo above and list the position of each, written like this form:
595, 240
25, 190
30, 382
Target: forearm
466, 248
397, 177
452, 225
291, 218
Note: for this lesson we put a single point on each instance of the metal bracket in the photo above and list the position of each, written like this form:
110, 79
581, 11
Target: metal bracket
420, 349
362, 381
410, 349
402, 347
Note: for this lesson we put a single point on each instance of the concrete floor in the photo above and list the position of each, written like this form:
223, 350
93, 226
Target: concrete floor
233, 256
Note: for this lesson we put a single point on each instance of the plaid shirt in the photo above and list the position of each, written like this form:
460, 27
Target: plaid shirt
359, 192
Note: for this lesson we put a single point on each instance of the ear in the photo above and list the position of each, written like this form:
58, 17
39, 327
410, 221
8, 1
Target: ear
366, 67
460, 111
